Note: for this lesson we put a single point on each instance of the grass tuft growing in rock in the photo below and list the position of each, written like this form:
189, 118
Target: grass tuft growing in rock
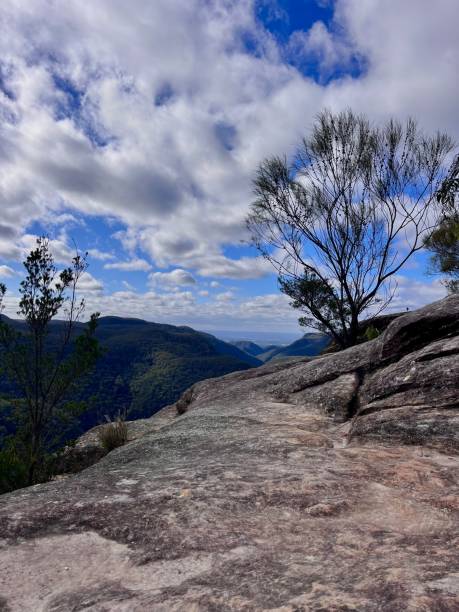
113, 434
184, 401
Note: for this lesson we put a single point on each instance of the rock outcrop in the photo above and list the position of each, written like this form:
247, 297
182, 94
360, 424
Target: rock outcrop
326, 485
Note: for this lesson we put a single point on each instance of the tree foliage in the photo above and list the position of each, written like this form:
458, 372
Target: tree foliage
43, 372
449, 190
342, 218
443, 242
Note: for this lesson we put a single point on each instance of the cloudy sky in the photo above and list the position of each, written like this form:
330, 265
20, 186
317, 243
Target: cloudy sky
133, 130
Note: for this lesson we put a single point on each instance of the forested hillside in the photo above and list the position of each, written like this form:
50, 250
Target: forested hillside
145, 366
249, 347
310, 345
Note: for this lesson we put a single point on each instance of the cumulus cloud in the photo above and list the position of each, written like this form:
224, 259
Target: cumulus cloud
177, 277
412, 293
84, 90
92, 126
226, 310
6, 272
225, 296
244, 268
134, 265
89, 284
110, 149
60, 250
319, 45
100, 255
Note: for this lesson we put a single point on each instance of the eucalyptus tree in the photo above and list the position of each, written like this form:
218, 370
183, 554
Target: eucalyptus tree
443, 242
45, 362
343, 216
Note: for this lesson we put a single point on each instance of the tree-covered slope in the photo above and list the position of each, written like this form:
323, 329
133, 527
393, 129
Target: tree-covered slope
309, 345
249, 347
146, 366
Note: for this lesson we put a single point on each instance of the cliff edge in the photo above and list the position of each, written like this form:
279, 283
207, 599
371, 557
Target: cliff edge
328, 484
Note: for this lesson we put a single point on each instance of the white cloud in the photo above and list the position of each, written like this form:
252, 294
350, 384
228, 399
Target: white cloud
159, 160
135, 265
6, 272
177, 277
322, 46
89, 284
244, 268
105, 112
182, 136
100, 255
411, 293
60, 250
225, 296
224, 310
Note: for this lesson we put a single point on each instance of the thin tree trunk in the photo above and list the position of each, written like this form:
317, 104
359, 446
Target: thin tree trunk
34, 457
353, 335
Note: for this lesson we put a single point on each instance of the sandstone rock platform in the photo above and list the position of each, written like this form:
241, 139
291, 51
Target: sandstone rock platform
326, 485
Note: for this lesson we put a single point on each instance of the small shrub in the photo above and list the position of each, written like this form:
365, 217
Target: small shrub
371, 332
13, 471
113, 434
184, 401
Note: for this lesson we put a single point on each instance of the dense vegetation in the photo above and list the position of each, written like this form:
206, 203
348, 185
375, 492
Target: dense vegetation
147, 366
443, 242
42, 373
59, 376
144, 366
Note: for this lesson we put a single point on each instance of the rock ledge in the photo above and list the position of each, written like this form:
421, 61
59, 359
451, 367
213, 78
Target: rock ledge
327, 485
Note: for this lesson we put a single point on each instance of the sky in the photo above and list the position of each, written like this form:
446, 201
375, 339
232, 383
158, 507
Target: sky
133, 130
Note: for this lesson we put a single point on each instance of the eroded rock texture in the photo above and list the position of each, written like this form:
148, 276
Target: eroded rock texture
326, 485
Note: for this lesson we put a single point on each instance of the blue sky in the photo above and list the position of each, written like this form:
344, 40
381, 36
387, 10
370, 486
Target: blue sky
134, 129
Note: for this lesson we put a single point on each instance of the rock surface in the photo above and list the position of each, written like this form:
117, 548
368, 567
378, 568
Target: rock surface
259, 497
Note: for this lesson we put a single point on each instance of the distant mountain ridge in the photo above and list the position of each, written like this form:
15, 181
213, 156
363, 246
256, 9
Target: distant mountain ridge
310, 345
251, 348
146, 366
